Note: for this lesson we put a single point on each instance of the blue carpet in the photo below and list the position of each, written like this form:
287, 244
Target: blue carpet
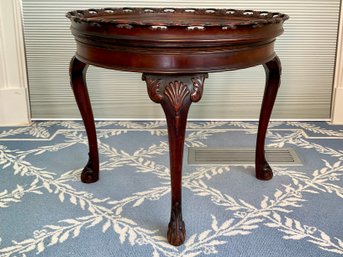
45, 210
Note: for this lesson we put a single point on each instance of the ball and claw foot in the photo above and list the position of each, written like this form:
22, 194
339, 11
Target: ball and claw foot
89, 175
264, 171
176, 232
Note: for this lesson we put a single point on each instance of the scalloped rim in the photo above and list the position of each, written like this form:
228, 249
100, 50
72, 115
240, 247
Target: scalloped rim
261, 17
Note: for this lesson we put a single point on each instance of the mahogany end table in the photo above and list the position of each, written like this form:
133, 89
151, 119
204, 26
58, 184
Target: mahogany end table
175, 49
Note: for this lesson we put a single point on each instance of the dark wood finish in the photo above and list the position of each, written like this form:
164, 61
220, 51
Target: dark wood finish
78, 71
151, 40
175, 94
273, 74
175, 49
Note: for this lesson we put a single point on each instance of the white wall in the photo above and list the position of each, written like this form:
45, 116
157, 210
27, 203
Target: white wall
14, 107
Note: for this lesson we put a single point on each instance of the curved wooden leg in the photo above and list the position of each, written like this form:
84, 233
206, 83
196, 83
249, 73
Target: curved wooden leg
77, 72
273, 73
175, 94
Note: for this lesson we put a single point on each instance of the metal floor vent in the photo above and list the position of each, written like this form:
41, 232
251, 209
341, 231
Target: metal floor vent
240, 156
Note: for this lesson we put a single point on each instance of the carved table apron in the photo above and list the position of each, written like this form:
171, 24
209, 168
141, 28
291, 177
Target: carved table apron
175, 49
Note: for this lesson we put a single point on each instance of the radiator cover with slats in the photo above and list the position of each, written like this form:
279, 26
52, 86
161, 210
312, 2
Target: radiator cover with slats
240, 156
307, 51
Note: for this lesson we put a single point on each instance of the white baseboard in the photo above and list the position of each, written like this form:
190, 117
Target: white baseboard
337, 112
14, 110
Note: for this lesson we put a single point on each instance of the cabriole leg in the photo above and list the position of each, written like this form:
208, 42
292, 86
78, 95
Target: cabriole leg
175, 94
273, 73
77, 72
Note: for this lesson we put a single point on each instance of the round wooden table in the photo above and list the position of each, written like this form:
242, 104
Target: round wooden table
175, 49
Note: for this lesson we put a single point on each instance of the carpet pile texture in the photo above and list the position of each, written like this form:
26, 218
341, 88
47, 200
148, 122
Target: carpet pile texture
46, 211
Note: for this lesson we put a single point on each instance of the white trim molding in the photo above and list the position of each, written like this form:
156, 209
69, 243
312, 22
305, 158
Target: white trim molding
337, 96
14, 99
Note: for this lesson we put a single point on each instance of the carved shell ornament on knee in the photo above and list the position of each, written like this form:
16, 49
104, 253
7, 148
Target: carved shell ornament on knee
175, 92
